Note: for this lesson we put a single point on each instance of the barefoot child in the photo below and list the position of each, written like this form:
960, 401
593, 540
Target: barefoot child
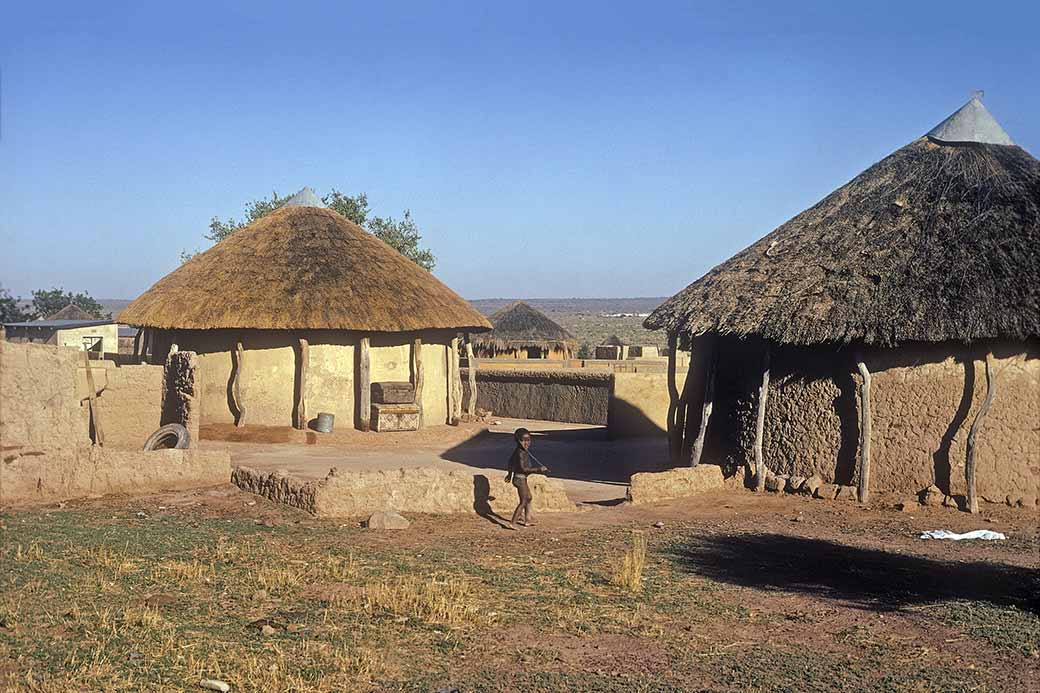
521, 464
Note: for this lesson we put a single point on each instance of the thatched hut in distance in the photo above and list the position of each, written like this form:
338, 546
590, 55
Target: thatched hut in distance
297, 313
521, 332
613, 348
888, 322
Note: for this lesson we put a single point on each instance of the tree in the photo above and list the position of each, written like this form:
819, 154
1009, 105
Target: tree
403, 235
46, 303
10, 308
585, 351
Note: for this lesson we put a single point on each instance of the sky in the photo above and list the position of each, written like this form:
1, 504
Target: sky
556, 149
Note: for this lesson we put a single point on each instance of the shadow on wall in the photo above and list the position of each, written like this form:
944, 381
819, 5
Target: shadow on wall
580, 454
869, 578
627, 421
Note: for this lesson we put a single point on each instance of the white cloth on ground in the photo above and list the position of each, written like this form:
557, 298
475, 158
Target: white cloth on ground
977, 534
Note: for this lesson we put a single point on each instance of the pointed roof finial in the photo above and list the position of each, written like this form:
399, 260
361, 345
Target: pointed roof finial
304, 198
971, 123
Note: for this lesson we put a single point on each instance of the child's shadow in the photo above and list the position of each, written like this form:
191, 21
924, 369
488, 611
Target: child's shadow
482, 502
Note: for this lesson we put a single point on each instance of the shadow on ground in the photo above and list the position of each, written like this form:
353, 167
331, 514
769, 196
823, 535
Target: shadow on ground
870, 578
581, 454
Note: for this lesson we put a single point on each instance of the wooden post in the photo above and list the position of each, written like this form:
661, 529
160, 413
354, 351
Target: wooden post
709, 398
144, 345
236, 385
674, 434
976, 426
300, 422
417, 375
95, 413
471, 405
137, 344
864, 431
364, 385
455, 384
760, 423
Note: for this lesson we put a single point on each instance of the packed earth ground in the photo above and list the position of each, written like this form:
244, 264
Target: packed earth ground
738, 592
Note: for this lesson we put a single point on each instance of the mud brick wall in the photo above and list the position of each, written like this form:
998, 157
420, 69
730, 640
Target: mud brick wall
39, 408
130, 405
549, 395
181, 392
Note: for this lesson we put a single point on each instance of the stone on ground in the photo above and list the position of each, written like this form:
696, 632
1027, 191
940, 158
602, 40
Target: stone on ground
775, 484
794, 484
826, 491
387, 519
931, 496
847, 493
811, 484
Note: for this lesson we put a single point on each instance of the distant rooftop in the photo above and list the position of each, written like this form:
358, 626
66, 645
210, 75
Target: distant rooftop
60, 324
71, 312
304, 198
971, 123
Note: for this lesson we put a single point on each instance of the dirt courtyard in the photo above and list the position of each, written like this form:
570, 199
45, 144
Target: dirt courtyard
739, 592
592, 468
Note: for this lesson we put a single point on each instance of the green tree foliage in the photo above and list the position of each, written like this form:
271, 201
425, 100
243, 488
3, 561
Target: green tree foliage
585, 351
402, 235
10, 309
48, 302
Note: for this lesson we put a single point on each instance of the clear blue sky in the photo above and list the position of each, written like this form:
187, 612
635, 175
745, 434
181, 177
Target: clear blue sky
545, 149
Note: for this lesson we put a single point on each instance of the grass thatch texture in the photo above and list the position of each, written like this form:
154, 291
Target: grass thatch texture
933, 243
519, 326
302, 268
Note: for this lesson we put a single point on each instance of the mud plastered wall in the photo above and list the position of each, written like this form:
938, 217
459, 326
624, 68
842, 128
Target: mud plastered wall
129, 403
562, 395
639, 404
923, 397
39, 408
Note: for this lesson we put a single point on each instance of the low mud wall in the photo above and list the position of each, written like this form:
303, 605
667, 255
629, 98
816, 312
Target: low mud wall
38, 403
652, 487
572, 396
88, 471
419, 490
129, 403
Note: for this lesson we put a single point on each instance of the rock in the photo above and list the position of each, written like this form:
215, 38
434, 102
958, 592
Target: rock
214, 685
658, 525
810, 485
387, 519
931, 496
826, 491
775, 484
795, 483
949, 502
798, 518
907, 506
847, 493
267, 630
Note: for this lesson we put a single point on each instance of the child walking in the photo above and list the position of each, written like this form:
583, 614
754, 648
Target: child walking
521, 464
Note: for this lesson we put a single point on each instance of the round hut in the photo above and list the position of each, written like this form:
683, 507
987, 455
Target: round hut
613, 348
886, 337
522, 332
301, 312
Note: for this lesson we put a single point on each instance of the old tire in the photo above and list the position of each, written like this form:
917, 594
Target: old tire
173, 436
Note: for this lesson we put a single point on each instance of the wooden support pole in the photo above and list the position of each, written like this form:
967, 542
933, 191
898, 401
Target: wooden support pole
300, 422
95, 412
706, 407
236, 384
137, 344
760, 424
976, 426
364, 385
864, 431
455, 383
674, 433
143, 357
417, 376
471, 405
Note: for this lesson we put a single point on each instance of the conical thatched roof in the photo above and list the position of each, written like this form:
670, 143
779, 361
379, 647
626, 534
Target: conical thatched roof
302, 267
519, 326
71, 312
938, 241
614, 340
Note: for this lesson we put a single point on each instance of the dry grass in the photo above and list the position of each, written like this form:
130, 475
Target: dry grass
442, 600
628, 570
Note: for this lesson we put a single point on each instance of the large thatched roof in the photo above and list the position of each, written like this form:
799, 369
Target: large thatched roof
302, 267
519, 326
938, 241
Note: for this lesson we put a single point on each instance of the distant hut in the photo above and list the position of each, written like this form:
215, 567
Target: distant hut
897, 320
69, 327
521, 332
612, 348
297, 313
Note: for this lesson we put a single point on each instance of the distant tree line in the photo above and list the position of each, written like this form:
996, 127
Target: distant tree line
46, 302
401, 234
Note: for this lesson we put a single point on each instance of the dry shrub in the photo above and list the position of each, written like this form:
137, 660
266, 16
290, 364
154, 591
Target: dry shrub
277, 579
32, 552
628, 570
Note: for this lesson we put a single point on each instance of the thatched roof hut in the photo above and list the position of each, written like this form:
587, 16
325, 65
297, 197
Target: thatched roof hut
614, 340
938, 241
304, 306
302, 267
520, 330
71, 312
919, 268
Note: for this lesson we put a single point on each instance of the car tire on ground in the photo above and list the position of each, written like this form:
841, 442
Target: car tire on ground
173, 436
